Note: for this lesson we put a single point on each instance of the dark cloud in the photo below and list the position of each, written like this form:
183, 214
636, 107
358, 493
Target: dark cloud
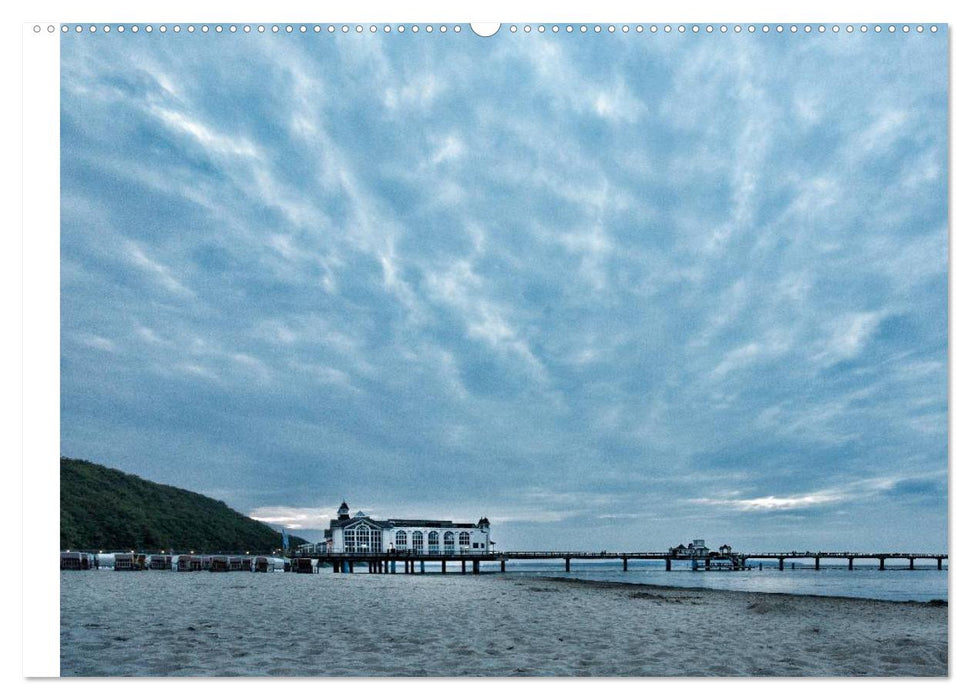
606, 291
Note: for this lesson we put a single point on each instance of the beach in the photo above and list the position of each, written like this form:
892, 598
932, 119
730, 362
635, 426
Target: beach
203, 624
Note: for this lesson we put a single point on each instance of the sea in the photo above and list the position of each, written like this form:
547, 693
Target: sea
924, 583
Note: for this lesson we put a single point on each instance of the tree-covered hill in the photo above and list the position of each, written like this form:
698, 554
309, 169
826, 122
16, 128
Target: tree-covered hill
106, 509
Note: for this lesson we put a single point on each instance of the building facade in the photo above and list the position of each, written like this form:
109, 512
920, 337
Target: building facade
363, 534
697, 548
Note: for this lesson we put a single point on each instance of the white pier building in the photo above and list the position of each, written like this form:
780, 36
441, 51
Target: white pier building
364, 534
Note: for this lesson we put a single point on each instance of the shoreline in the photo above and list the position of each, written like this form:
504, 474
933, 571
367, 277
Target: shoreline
934, 603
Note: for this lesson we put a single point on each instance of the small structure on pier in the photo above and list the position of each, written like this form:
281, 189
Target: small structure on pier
696, 549
78, 561
267, 565
160, 562
130, 561
303, 565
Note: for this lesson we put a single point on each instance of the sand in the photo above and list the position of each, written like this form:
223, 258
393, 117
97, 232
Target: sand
203, 624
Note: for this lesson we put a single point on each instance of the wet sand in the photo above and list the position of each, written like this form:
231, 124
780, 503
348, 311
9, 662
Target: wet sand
203, 624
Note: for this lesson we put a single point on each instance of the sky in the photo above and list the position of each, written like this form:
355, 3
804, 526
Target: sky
612, 291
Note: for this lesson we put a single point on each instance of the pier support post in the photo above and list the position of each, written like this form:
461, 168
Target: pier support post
443, 566
567, 560
707, 564
502, 565
463, 566
667, 564
851, 563
939, 563
350, 567
421, 566
782, 564
882, 567
625, 563
475, 566
911, 563
817, 563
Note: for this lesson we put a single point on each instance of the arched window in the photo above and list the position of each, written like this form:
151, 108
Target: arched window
362, 538
417, 541
433, 542
449, 542
464, 540
401, 540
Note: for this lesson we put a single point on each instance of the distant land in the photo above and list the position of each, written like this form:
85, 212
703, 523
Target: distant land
107, 509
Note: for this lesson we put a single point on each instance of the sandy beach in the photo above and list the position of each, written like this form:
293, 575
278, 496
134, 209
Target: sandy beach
202, 624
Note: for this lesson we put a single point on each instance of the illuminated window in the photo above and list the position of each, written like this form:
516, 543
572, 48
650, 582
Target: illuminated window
417, 541
433, 542
449, 542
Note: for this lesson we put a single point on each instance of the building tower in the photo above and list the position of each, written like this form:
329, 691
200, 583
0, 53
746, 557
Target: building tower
343, 513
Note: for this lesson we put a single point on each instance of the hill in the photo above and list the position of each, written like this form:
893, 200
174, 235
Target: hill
107, 509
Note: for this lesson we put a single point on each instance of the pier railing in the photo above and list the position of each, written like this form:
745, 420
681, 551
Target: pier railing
384, 562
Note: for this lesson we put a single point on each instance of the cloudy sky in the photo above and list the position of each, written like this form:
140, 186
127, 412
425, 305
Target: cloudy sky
608, 290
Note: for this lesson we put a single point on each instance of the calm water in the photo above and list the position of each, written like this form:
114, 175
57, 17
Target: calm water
865, 581
922, 584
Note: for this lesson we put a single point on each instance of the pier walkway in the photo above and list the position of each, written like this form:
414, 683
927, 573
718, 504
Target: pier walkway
387, 562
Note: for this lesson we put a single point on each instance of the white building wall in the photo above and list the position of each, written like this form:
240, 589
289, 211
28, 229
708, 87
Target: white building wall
476, 535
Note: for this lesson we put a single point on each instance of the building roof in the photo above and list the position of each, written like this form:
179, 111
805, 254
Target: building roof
396, 522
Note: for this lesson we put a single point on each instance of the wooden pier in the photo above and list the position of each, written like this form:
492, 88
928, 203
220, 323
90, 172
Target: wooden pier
410, 562
406, 561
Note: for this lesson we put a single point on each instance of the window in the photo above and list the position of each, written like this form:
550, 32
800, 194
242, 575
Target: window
362, 538
401, 540
464, 540
433, 542
417, 541
449, 542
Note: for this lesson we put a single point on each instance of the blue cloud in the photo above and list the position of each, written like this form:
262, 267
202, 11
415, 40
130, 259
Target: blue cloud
608, 290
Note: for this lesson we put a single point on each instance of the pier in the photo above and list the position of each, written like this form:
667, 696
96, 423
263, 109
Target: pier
412, 562
406, 561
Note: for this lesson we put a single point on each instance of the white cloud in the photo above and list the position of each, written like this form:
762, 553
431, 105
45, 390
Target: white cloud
850, 333
162, 274
451, 148
293, 518
207, 137
97, 342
